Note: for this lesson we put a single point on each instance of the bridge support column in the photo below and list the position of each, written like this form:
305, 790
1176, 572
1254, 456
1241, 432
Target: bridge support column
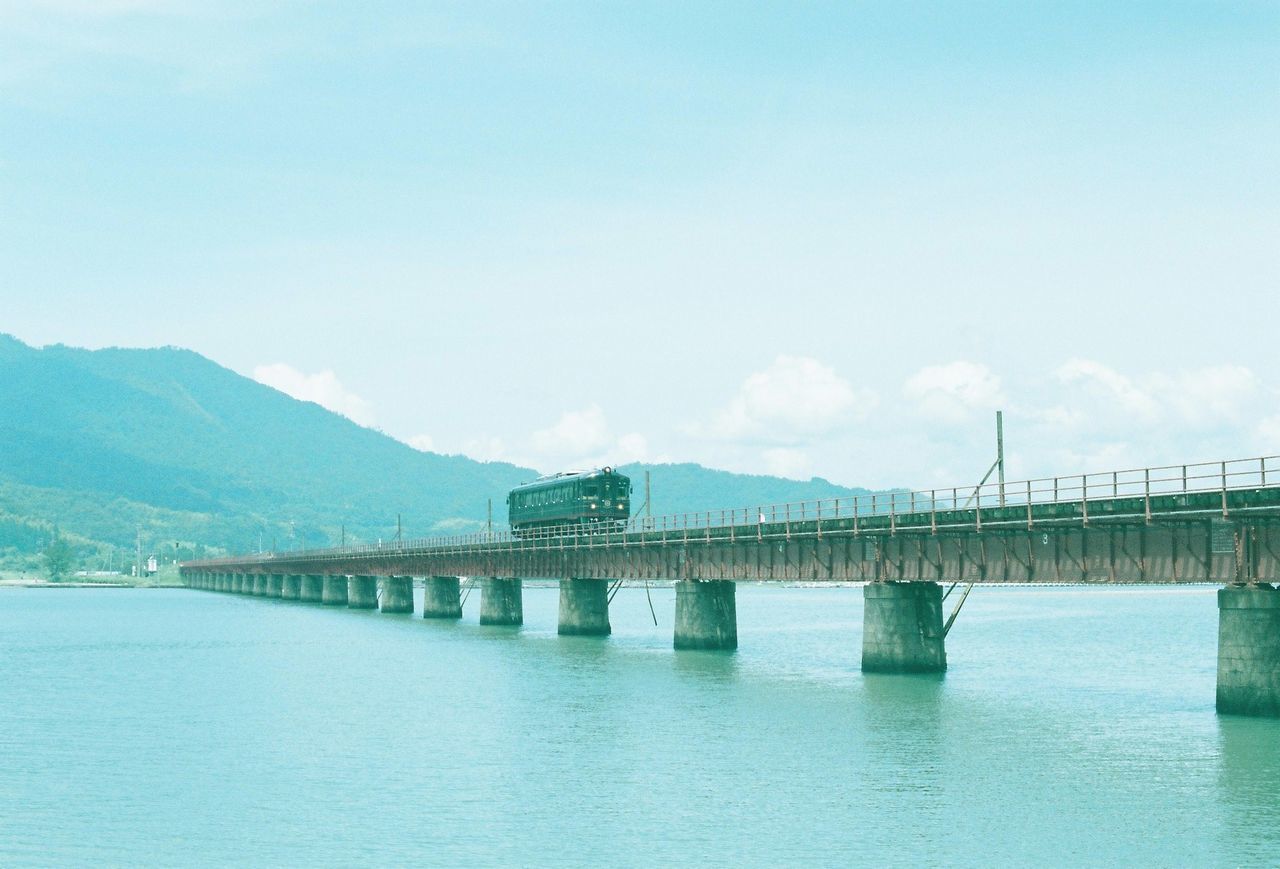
292, 587
312, 588
584, 607
501, 601
397, 594
1249, 650
440, 598
244, 583
362, 593
259, 585
706, 614
220, 582
902, 628
334, 592
275, 585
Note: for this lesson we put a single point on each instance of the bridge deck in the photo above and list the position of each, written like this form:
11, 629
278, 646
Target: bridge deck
1216, 500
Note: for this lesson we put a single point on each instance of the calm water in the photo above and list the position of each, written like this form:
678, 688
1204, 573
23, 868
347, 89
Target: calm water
187, 728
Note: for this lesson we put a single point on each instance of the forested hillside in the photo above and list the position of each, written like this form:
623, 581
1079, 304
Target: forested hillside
101, 446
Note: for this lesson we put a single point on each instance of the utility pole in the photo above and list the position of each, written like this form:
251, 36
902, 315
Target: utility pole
997, 465
399, 527
648, 504
137, 566
489, 524
344, 535
1000, 451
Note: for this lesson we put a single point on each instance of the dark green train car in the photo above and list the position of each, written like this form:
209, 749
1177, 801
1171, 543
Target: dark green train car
580, 498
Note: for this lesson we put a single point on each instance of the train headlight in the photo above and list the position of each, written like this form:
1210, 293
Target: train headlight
593, 506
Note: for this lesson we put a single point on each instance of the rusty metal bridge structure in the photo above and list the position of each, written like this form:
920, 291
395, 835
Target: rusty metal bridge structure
1200, 522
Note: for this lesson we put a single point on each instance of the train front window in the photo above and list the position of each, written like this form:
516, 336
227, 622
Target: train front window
590, 490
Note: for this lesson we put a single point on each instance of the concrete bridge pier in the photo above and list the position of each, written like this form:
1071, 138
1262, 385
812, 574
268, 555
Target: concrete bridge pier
312, 588
584, 608
501, 601
220, 582
397, 594
902, 628
440, 599
1249, 650
334, 592
244, 583
275, 585
259, 585
292, 588
706, 614
362, 593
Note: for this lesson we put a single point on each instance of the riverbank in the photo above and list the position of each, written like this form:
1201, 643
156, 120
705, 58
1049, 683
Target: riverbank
164, 579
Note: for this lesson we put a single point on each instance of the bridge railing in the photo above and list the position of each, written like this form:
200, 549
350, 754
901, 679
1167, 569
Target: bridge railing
1086, 489
1144, 483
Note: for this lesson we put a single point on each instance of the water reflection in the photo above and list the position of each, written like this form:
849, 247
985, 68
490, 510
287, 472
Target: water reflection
706, 665
1249, 773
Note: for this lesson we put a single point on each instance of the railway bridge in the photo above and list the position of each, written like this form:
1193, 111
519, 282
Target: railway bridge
1215, 522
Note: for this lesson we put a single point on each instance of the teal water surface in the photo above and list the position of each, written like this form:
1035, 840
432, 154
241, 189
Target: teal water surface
171, 727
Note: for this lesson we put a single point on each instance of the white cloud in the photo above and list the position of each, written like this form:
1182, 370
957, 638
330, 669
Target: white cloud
486, 449
1210, 396
578, 432
950, 392
794, 398
1100, 397
323, 388
422, 442
1109, 385
583, 439
633, 447
788, 462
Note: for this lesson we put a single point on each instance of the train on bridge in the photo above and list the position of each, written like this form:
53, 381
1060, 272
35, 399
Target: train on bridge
596, 499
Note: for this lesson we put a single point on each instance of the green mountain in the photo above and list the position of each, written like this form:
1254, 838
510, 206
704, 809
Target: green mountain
105, 447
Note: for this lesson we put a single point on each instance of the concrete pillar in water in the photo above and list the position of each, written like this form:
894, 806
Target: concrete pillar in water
501, 601
362, 593
334, 591
220, 582
259, 585
397, 594
312, 588
275, 585
902, 628
1249, 650
244, 583
292, 588
584, 607
440, 598
706, 614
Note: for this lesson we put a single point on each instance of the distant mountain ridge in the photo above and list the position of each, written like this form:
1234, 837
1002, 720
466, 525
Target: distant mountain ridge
103, 443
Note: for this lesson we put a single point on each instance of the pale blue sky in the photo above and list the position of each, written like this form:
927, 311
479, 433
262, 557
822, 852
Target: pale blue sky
821, 238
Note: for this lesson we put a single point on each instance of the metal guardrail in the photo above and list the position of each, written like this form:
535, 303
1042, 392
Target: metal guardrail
1084, 489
